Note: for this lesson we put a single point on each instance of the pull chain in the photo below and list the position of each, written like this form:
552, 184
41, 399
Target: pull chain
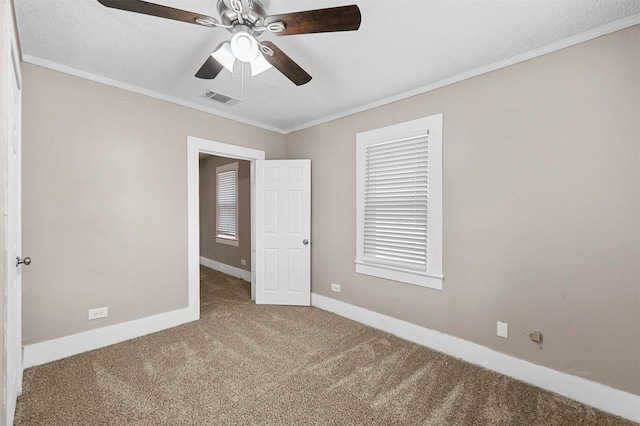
242, 84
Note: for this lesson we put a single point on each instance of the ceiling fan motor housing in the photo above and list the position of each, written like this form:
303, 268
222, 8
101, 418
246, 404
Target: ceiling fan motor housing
253, 17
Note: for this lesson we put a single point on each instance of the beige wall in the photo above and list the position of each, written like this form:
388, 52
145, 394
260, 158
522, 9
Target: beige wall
541, 210
105, 200
224, 253
541, 206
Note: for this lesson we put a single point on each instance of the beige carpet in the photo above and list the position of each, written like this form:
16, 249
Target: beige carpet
269, 365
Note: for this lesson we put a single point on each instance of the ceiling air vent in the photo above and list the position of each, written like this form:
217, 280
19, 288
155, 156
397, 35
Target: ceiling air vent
219, 97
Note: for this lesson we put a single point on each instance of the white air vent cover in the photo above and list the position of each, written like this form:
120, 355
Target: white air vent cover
219, 97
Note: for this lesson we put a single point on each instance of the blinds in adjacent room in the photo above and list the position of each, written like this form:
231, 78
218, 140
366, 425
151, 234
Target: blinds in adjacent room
396, 196
227, 205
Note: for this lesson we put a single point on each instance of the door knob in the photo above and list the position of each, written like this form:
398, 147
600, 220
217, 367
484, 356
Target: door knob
305, 242
26, 261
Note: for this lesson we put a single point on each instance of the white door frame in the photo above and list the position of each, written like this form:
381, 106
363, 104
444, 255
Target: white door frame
195, 146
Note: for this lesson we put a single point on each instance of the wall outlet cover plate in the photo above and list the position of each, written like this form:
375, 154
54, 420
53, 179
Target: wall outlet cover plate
503, 329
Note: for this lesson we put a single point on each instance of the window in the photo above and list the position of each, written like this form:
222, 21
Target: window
227, 204
399, 202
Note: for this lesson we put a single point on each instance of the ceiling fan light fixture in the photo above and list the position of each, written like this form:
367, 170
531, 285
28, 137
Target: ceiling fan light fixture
259, 65
244, 46
225, 57
246, 18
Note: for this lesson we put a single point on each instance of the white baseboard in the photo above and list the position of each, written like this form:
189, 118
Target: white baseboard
53, 350
229, 270
588, 392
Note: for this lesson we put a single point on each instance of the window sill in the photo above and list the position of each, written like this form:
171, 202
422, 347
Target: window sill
227, 241
420, 279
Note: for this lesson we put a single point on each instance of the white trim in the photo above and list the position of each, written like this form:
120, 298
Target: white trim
395, 274
611, 27
227, 241
430, 126
55, 349
142, 91
210, 147
195, 146
588, 392
226, 269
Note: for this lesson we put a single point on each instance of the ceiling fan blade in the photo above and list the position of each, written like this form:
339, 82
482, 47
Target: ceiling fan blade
286, 65
210, 69
146, 8
342, 18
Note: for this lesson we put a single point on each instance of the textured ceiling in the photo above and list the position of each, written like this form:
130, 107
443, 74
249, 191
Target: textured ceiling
402, 46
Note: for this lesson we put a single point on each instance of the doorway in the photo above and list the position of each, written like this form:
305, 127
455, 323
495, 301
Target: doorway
196, 146
225, 215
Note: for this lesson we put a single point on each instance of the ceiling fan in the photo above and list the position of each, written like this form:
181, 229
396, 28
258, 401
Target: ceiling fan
247, 20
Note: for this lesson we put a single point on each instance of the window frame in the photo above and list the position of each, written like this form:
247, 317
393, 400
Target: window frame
430, 126
225, 238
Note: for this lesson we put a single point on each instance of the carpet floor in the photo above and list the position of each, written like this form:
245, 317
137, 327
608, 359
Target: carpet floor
247, 364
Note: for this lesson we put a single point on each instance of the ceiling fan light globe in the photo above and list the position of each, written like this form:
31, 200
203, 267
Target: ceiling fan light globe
244, 46
259, 65
225, 57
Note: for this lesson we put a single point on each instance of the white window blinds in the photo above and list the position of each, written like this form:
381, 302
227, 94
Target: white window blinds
396, 199
399, 202
227, 204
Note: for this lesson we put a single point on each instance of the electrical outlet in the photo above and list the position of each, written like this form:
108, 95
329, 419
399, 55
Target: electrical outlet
243, 262
98, 313
335, 287
535, 336
503, 329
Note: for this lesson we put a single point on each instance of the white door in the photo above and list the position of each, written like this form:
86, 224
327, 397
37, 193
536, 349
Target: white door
283, 232
14, 288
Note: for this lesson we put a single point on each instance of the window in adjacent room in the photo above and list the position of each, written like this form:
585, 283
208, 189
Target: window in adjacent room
227, 204
399, 202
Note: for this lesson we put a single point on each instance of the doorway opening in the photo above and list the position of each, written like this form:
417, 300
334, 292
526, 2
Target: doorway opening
225, 215
196, 147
